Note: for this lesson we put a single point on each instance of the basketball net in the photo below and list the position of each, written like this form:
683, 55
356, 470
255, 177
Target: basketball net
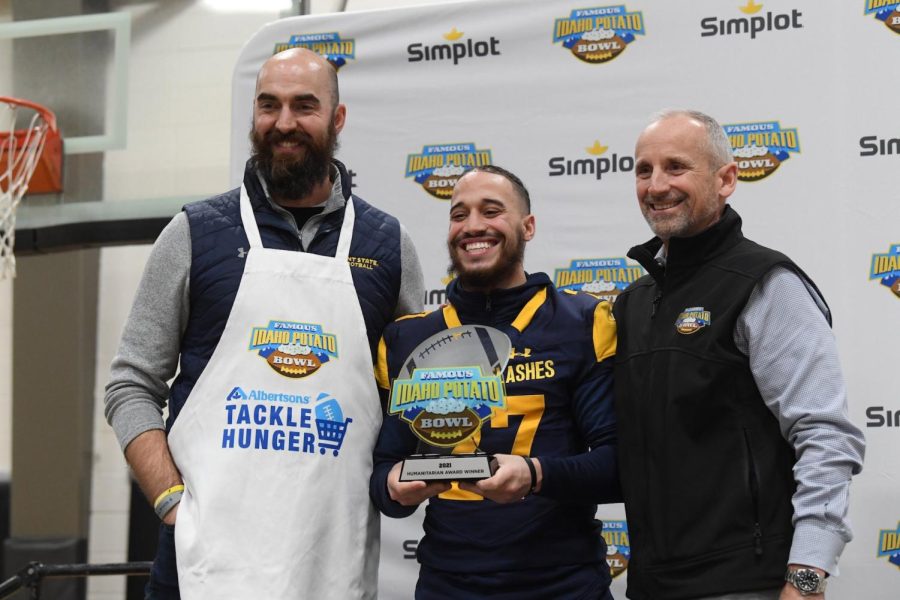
19, 154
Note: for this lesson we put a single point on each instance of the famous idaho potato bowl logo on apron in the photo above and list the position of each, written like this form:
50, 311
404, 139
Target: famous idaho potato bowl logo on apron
294, 349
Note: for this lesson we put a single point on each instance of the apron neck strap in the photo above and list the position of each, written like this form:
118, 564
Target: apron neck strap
343, 247
249, 221
252, 229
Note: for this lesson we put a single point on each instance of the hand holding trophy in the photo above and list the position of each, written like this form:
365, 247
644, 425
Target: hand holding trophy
446, 390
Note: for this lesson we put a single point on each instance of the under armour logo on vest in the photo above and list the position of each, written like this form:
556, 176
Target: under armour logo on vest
241, 252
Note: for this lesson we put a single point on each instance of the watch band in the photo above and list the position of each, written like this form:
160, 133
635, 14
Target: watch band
807, 581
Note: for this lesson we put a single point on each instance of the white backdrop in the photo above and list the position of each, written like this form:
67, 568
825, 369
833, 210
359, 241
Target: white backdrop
557, 92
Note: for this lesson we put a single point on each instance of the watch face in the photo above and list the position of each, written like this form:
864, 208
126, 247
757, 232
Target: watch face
807, 580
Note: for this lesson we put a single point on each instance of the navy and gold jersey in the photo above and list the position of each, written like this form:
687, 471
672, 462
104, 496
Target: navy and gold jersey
559, 406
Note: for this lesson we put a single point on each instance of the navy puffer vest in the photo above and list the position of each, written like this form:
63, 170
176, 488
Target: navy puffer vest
218, 247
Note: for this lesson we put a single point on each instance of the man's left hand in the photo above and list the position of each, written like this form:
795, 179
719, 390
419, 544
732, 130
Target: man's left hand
510, 483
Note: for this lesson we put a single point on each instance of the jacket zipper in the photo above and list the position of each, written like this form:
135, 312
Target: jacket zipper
754, 496
656, 302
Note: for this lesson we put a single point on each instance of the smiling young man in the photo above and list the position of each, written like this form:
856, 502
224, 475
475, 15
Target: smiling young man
516, 535
248, 502
736, 452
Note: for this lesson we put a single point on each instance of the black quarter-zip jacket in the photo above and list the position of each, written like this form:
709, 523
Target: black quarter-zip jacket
706, 474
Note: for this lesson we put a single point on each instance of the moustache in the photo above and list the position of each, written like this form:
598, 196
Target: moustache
465, 236
276, 137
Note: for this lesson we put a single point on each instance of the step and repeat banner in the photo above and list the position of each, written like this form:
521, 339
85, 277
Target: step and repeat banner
558, 91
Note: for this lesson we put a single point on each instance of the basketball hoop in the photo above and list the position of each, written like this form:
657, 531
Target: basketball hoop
23, 152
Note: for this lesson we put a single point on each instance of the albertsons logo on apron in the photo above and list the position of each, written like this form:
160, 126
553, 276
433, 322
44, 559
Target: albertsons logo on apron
294, 349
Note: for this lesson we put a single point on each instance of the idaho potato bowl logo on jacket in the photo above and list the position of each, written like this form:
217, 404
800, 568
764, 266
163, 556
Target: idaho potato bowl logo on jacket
761, 147
886, 267
886, 11
693, 319
438, 167
329, 46
445, 406
294, 349
599, 34
604, 278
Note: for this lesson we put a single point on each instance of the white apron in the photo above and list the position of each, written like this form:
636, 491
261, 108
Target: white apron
275, 440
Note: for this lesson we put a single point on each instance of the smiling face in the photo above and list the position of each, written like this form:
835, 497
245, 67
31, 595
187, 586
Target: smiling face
295, 123
489, 227
679, 189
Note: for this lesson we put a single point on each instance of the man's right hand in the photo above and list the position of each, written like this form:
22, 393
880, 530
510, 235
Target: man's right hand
153, 467
412, 493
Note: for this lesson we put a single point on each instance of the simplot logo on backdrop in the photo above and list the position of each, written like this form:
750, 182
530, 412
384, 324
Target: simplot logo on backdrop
753, 24
329, 45
599, 34
886, 267
872, 145
455, 50
889, 545
886, 11
879, 416
294, 349
438, 167
618, 546
597, 165
605, 278
761, 147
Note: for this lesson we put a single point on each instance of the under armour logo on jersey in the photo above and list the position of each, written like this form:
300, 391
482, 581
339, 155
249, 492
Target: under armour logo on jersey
241, 252
526, 353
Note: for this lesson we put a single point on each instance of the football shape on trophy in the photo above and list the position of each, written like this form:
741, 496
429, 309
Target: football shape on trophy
469, 345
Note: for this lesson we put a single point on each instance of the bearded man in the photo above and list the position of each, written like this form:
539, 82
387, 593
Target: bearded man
528, 531
265, 298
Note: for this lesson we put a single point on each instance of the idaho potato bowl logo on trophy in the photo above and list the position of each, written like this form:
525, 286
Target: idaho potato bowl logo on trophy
446, 390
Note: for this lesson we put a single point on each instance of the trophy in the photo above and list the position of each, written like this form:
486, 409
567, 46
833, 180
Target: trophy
446, 390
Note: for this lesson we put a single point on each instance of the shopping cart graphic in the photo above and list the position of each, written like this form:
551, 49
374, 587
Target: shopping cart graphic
331, 434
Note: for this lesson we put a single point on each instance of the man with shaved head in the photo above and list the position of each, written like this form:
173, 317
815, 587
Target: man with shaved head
736, 452
268, 301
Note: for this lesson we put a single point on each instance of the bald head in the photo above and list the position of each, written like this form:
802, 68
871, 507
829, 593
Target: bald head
300, 63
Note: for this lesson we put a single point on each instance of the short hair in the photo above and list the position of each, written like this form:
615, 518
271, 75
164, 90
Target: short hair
518, 186
717, 145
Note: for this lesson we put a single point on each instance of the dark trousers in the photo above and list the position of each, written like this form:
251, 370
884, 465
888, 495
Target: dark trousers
573, 582
163, 583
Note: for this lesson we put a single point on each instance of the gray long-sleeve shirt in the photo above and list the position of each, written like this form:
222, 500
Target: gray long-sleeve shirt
147, 357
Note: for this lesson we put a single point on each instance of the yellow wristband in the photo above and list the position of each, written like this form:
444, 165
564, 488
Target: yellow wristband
172, 490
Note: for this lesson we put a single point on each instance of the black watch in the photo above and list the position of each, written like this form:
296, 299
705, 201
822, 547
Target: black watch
807, 581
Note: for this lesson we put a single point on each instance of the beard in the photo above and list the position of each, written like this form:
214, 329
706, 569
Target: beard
684, 223
484, 278
293, 178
